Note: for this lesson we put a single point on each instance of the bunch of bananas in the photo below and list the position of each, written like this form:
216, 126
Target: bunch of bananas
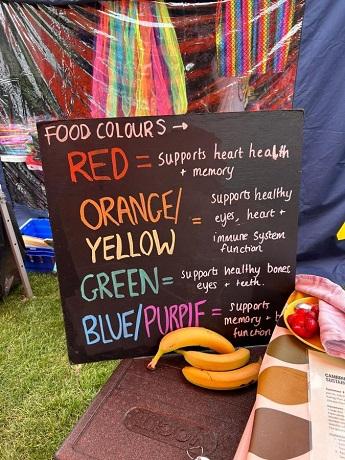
227, 370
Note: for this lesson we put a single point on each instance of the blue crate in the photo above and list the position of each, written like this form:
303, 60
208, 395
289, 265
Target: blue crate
38, 259
40, 228
40, 252
39, 263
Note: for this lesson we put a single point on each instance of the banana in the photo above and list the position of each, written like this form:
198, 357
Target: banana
191, 336
229, 380
213, 362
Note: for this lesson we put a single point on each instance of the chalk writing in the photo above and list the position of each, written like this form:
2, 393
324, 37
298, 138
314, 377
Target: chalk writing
166, 222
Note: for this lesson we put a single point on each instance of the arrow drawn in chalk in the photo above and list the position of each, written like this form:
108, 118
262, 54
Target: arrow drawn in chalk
182, 126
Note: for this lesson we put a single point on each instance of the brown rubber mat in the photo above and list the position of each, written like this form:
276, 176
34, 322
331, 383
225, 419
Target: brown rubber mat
157, 415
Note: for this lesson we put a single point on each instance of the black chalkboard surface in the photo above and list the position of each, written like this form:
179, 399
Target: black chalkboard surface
167, 222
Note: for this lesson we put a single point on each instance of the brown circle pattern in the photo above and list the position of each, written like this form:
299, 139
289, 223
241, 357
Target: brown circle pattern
281, 436
284, 385
289, 349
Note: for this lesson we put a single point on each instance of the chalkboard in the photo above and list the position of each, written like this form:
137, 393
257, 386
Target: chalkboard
166, 222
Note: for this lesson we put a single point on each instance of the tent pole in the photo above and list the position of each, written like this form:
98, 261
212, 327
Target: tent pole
14, 245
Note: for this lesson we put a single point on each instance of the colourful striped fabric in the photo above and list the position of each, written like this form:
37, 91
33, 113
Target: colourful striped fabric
138, 68
253, 36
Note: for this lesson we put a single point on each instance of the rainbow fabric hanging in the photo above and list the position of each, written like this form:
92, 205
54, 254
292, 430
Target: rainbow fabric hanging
138, 68
253, 36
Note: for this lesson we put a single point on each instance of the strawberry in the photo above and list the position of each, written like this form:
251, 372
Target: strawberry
300, 331
304, 323
315, 309
311, 326
296, 320
311, 314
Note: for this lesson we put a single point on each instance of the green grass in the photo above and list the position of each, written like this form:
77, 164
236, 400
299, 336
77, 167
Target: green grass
41, 394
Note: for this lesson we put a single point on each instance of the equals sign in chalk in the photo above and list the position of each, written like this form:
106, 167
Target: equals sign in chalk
216, 312
167, 280
196, 220
143, 159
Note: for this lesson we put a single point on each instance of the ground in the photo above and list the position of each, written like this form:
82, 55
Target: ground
41, 394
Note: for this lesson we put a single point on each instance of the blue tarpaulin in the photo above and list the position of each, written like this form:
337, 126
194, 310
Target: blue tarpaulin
320, 91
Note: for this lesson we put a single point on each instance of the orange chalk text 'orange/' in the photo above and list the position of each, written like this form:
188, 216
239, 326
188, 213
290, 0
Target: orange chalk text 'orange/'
152, 207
